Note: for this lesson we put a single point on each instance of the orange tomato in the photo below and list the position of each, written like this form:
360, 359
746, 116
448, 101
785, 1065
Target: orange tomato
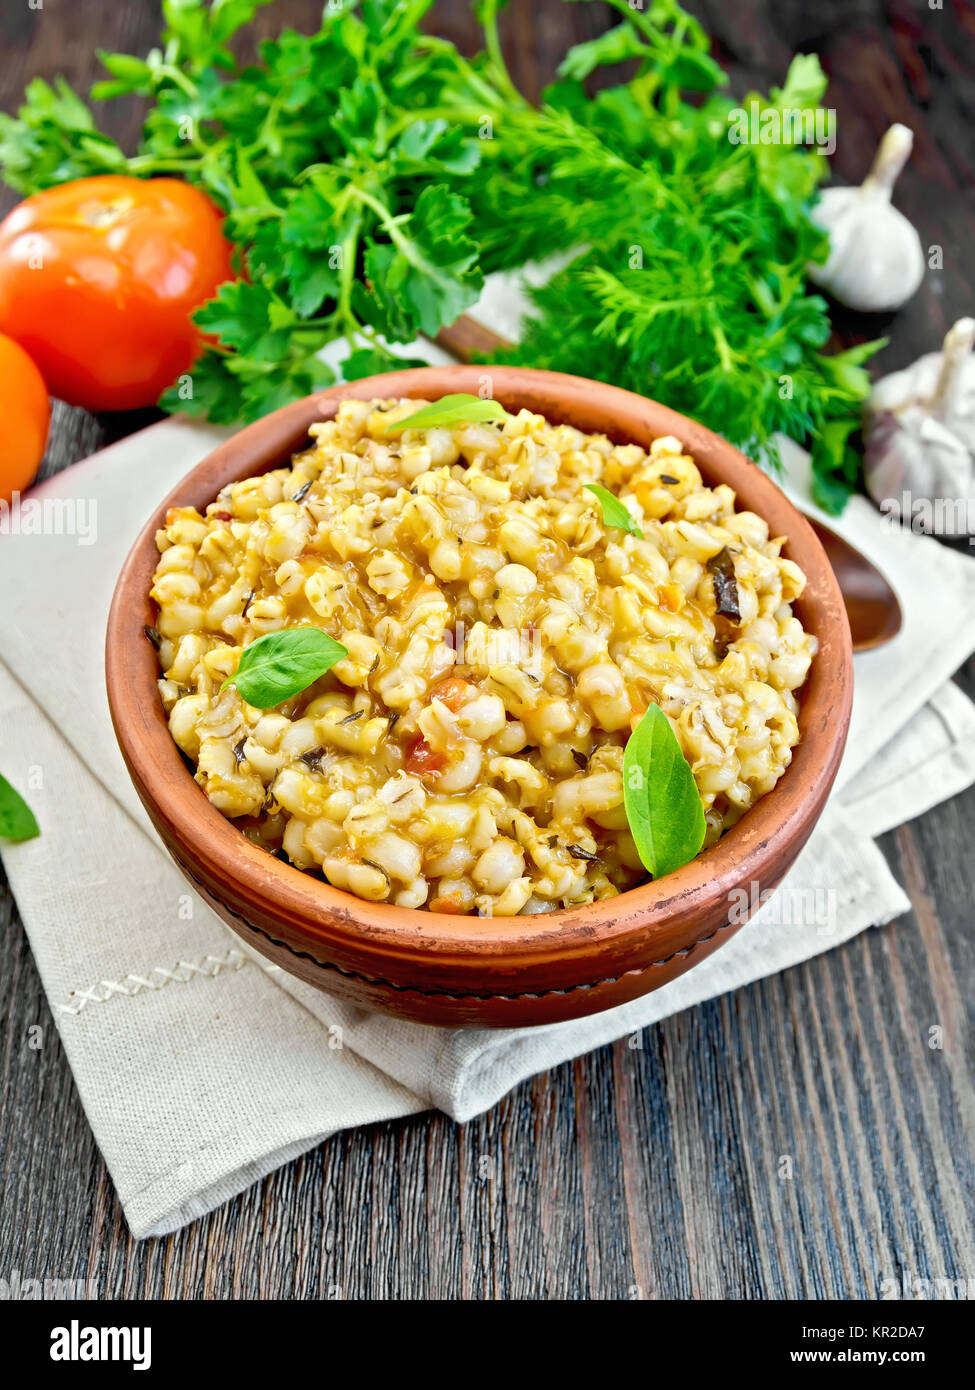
452, 692
25, 413
98, 279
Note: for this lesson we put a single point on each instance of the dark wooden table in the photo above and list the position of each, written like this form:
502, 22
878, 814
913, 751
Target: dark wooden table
629, 1173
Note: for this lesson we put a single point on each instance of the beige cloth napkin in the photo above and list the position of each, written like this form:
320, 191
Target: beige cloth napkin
200, 1068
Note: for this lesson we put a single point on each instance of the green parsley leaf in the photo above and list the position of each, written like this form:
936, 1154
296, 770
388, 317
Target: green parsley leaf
662, 802
281, 664
457, 409
240, 316
835, 466
209, 390
371, 361
424, 145
198, 32
615, 46
17, 821
54, 139
614, 512
426, 275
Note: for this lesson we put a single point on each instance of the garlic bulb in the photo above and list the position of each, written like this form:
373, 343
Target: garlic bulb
875, 262
919, 435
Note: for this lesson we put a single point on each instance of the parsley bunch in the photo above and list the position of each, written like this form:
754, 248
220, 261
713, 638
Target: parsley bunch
370, 175
333, 172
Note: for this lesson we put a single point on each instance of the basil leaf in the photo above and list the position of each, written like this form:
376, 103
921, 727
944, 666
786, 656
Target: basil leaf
459, 409
17, 820
281, 664
663, 805
614, 513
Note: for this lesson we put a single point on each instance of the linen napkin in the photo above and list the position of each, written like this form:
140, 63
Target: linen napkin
200, 1066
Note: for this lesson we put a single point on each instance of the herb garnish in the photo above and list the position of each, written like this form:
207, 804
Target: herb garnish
281, 664
373, 865
578, 852
457, 409
721, 567
17, 820
663, 805
614, 512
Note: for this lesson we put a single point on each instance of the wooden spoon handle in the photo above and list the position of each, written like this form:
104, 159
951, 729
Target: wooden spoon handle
466, 337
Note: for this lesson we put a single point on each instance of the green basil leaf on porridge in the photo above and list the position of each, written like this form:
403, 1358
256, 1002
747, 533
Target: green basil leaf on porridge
662, 802
17, 820
614, 512
457, 409
281, 664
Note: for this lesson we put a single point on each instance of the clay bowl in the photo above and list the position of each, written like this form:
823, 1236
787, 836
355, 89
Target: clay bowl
498, 972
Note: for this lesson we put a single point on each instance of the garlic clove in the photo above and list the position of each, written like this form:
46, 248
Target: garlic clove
919, 435
944, 380
876, 260
953, 399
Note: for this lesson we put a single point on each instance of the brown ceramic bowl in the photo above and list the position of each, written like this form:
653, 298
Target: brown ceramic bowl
504, 971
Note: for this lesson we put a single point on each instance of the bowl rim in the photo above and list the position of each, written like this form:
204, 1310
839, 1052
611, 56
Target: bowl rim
340, 927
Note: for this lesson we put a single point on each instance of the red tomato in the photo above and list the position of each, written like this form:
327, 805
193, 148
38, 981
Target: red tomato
421, 759
25, 413
98, 279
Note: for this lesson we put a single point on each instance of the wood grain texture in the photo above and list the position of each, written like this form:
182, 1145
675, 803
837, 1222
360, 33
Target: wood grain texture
650, 1168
